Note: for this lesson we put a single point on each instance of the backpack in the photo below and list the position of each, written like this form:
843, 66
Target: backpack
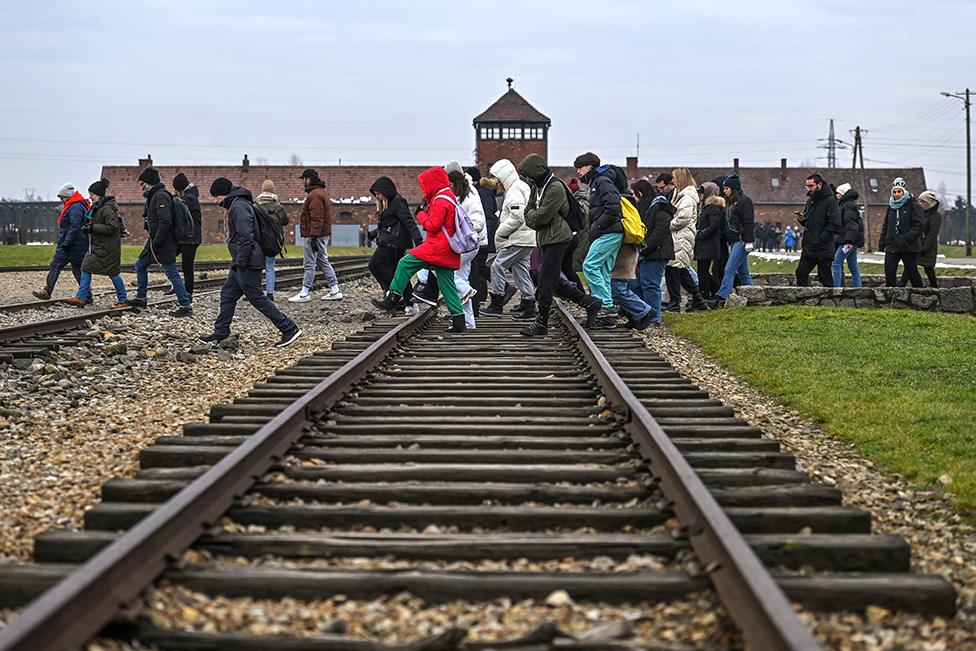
268, 232
575, 216
183, 226
465, 238
634, 228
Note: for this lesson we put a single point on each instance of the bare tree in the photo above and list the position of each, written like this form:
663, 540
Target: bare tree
942, 196
261, 160
294, 159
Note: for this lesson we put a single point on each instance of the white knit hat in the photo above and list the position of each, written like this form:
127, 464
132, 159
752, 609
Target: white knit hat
928, 199
843, 189
67, 190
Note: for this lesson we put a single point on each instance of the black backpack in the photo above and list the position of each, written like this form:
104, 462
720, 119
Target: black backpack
575, 216
268, 232
183, 226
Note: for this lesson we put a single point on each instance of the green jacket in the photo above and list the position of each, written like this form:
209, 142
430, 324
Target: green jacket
546, 215
930, 238
105, 246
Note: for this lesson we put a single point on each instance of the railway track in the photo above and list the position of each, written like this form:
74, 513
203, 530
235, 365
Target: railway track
34, 339
285, 274
406, 443
128, 268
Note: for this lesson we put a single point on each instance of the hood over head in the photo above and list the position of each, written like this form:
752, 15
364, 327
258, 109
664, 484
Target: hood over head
236, 193
504, 171
534, 167
432, 181
710, 189
850, 195
385, 186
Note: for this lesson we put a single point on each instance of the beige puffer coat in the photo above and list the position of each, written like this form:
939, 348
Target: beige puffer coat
683, 227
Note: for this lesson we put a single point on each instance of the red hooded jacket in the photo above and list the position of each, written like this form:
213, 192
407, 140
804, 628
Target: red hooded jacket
436, 250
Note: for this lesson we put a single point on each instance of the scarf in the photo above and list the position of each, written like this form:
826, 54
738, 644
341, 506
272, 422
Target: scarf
901, 202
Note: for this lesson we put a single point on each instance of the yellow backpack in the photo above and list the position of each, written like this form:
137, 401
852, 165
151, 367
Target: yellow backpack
634, 229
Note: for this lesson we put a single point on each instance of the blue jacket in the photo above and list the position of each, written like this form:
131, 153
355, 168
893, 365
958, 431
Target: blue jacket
72, 241
605, 214
245, 253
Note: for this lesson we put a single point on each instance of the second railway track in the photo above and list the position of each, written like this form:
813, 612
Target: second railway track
438, 455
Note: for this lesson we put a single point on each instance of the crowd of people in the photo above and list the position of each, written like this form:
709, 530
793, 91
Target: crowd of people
596, 240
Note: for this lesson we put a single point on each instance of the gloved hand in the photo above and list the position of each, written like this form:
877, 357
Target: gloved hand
748, 246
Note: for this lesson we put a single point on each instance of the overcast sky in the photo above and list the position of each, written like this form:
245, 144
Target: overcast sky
89, 83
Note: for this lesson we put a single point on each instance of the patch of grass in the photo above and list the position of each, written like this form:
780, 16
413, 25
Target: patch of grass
952, 251
759, 265
32, 255
898, 384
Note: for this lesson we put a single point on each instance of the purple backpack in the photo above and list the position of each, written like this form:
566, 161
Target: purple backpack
465, 238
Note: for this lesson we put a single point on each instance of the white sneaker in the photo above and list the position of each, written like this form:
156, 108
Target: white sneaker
300, 298
410, 310
334, 295
468, 295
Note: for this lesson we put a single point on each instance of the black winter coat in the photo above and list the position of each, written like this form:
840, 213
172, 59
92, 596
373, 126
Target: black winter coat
658, 243
821, 219
605, 214
245, 253
930, 238
852, 226
191, 197
740, 221
396, 226
490, 204
105, 251
708, 238
158, 221
902, 228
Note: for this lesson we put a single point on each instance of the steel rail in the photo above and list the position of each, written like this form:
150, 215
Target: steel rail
205, 265
747, 590
75, 609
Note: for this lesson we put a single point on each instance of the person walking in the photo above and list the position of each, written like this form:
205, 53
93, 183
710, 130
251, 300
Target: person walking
821, 224
656, 212
606, 231
740, 225
247, 261
851, 237
929, 250
470, 200
436, 216
789, 239
72, 244
514, 241
396, 231
708, 245
901, 234
190, 195
161, 245
677, 273
104, 227
480, 272
268, 200
316, 229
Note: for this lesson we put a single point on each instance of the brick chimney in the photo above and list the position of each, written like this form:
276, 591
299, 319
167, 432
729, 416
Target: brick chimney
735, 165
632, 167
782, 171
245, 163
146, 162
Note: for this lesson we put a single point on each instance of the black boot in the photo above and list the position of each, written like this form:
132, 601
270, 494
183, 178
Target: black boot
528, 311
672, 306
457, 323
426, 294
698, 303
495, 307
539, 327
518, 308
389, 302
509, 294
593, 306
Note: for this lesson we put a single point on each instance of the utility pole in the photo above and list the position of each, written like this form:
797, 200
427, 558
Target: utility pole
964, 96
831, 146
859, 152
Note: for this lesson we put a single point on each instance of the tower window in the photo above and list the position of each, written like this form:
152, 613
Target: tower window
512, 132
533, 133
489, 133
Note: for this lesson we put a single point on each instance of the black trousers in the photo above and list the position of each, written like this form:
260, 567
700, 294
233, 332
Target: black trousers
710, 274
556, 259
824, 272
383, 264
247, 283
675, 278
188, 252
479, 274
929, 272
911, 268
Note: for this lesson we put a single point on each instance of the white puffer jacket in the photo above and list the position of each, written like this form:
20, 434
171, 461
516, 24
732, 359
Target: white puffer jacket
476, 211
683, 227
512, 230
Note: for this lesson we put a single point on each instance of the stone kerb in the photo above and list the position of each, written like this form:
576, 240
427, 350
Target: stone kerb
777, 279
957, 300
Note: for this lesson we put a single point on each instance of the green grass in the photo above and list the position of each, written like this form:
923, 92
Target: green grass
17, 256
898, 384
951, 251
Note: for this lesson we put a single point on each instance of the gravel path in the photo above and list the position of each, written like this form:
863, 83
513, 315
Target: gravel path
16, 287
941, 541
67, 427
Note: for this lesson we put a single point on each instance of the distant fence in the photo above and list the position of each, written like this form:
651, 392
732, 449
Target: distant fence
29, 222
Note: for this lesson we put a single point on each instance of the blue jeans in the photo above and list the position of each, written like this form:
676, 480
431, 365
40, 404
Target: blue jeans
85, 288
598, 265
838, 266
172, 273
651, 274
629, 302
269, 274
738, 264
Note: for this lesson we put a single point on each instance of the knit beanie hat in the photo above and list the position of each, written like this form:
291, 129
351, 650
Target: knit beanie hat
150, 175
221, 187
928, 199
899, 183
474, 173
309, 173
180, 182
268, 186
99, 188
589, 158
732, 181
843, 189
66, 190
453, 166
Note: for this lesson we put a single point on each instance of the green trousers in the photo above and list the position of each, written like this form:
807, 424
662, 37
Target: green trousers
410, 265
